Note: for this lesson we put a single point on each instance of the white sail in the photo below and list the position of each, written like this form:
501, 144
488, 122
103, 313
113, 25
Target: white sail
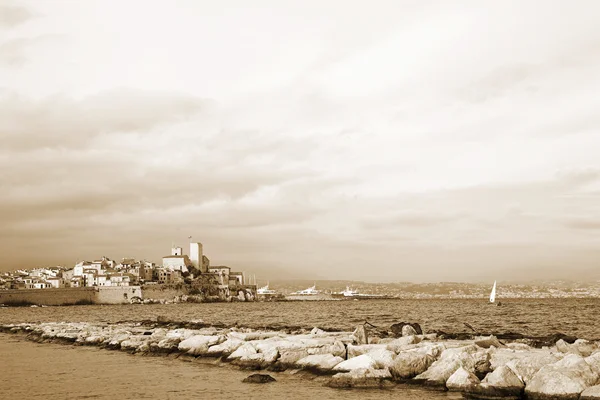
493, 294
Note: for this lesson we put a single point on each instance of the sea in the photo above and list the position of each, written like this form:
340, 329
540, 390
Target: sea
31, 370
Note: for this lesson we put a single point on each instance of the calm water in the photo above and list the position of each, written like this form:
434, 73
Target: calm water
577, 317
51, 371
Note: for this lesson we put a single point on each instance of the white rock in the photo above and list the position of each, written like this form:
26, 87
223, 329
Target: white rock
320, 361
361, 362
359, 350
462, 380
384, 358
487, 342
527, 364
199, 344
361, 378
590, 393
243, 351
503, 377
317, 331
408, 330
410, 364
227, 347
565, 378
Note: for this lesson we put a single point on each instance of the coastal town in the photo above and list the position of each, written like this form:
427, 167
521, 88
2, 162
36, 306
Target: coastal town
194, 270
177, 270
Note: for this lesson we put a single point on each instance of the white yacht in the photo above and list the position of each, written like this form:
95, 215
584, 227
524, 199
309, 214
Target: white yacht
311, 291
354, 294
265, 290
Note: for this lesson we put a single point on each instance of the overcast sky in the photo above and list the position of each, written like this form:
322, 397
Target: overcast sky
378, 141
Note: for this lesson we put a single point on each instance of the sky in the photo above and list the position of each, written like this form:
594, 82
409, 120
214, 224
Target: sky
378, 141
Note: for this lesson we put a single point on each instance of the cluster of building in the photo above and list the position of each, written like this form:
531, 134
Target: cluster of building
176, 268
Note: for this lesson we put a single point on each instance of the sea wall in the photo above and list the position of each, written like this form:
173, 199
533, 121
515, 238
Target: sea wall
69, 296
117, 294
164, 292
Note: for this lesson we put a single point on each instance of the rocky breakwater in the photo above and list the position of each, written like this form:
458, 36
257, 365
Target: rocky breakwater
479, 367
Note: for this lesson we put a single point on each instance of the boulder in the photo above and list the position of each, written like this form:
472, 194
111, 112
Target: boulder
488, 342
259, 378
258, 360
591, 393
355, 351
502, 383
225, 348
565, 379
292, 356
320, 362
360, 335
199, 344
580, 347
462, 381
410, 364
594, 362
243, 351
384, 358
165, 345
408, 330
317, 331
527, 364
361, 362
361, 378
402, 343
397, 329
438, 373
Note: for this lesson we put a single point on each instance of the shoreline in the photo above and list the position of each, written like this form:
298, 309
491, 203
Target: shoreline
478, 366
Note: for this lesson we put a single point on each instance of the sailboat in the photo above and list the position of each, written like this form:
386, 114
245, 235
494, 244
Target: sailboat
493, 295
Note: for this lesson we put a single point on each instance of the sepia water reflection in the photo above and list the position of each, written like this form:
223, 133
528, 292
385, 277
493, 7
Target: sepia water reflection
535, 317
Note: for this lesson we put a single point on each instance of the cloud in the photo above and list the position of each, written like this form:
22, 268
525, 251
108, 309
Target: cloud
584, 223
12, 16
67, 123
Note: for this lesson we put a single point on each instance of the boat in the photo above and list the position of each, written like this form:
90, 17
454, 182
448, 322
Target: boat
311, 291
354, 294
265, 291
493, 295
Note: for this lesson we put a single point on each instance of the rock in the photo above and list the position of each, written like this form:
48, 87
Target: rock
290, 357
527, 364
317, 331
502, 383
462, 380
403, 343
243, 351
438, 373
408, 330
225, 348
410, 364
594, 362
320, 362
361, 362
258, 360
355, 351
165, 345
397, 328
361, 378
580, 347
199, 344
360, 335
591, 393
259, 378
488, 342
429, 336
564, 379
384, 358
